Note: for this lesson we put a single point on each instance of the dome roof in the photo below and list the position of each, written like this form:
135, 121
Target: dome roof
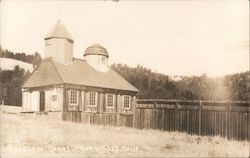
59, 31
96, 49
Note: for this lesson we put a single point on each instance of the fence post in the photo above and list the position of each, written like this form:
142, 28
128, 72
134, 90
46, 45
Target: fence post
177, 117
200, 117
154, 119
228, 123
2, 104
134, 109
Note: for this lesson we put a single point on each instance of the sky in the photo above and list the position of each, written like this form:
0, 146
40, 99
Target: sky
169, 37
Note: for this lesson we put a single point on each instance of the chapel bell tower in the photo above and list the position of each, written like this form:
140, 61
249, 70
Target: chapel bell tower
97, 56
59, 44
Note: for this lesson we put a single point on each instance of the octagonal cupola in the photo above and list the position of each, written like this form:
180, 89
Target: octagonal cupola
97, 56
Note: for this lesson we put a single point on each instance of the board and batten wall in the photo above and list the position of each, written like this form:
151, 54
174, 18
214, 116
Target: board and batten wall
100, 114
53, 99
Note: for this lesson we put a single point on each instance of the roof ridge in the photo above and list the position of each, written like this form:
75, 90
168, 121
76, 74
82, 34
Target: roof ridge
44, 75
59, 73
79, 59
59, 31
53, 63
26, 80
47, 59
123, 79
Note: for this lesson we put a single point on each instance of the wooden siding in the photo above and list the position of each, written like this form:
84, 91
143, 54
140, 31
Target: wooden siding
226, 119
98, 114
97, 118
53, 99
101, 102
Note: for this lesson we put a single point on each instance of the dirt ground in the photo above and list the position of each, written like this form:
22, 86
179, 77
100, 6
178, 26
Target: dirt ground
47, 136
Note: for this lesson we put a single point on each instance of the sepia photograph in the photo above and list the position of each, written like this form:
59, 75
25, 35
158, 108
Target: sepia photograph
123, 78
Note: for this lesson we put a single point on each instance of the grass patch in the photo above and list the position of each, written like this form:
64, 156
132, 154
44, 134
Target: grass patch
48, 136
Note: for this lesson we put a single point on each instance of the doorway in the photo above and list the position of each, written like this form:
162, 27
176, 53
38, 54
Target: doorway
42, 101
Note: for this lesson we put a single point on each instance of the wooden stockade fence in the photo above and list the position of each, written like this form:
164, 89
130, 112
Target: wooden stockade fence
226, 119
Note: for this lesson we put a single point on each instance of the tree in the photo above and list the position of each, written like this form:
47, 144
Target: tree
34, 59
156, 85
10, 85
37, 59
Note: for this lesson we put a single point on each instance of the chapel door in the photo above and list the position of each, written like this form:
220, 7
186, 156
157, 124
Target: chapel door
42, 101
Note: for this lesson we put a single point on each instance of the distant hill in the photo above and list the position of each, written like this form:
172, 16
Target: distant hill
34, 59
9, 64
155, 85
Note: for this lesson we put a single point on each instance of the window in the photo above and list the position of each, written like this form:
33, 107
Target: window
47, 43
53, 95
102, 60
53, 98
73, 97
92, 98
126, 102
110, 100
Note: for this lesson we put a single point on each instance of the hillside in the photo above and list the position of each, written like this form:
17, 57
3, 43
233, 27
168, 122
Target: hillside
15, 68
9, 64
155, 85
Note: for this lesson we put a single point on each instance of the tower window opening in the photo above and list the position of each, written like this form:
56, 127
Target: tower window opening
103, 58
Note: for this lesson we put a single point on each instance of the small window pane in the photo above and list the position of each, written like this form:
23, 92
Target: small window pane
126, 102
110, 100
92, 98
73, 97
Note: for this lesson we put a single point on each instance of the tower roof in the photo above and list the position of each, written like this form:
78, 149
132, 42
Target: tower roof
96, 49
59, 31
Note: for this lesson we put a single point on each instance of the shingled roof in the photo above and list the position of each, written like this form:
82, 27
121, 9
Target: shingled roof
96, 49
79, 72
59, 31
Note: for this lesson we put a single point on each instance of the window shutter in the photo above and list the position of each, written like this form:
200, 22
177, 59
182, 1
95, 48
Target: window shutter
77, 98
105, 100
114, 103
83, 100
130, 102
87, 98
68, 97
122, 102
114, 100
96, 98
